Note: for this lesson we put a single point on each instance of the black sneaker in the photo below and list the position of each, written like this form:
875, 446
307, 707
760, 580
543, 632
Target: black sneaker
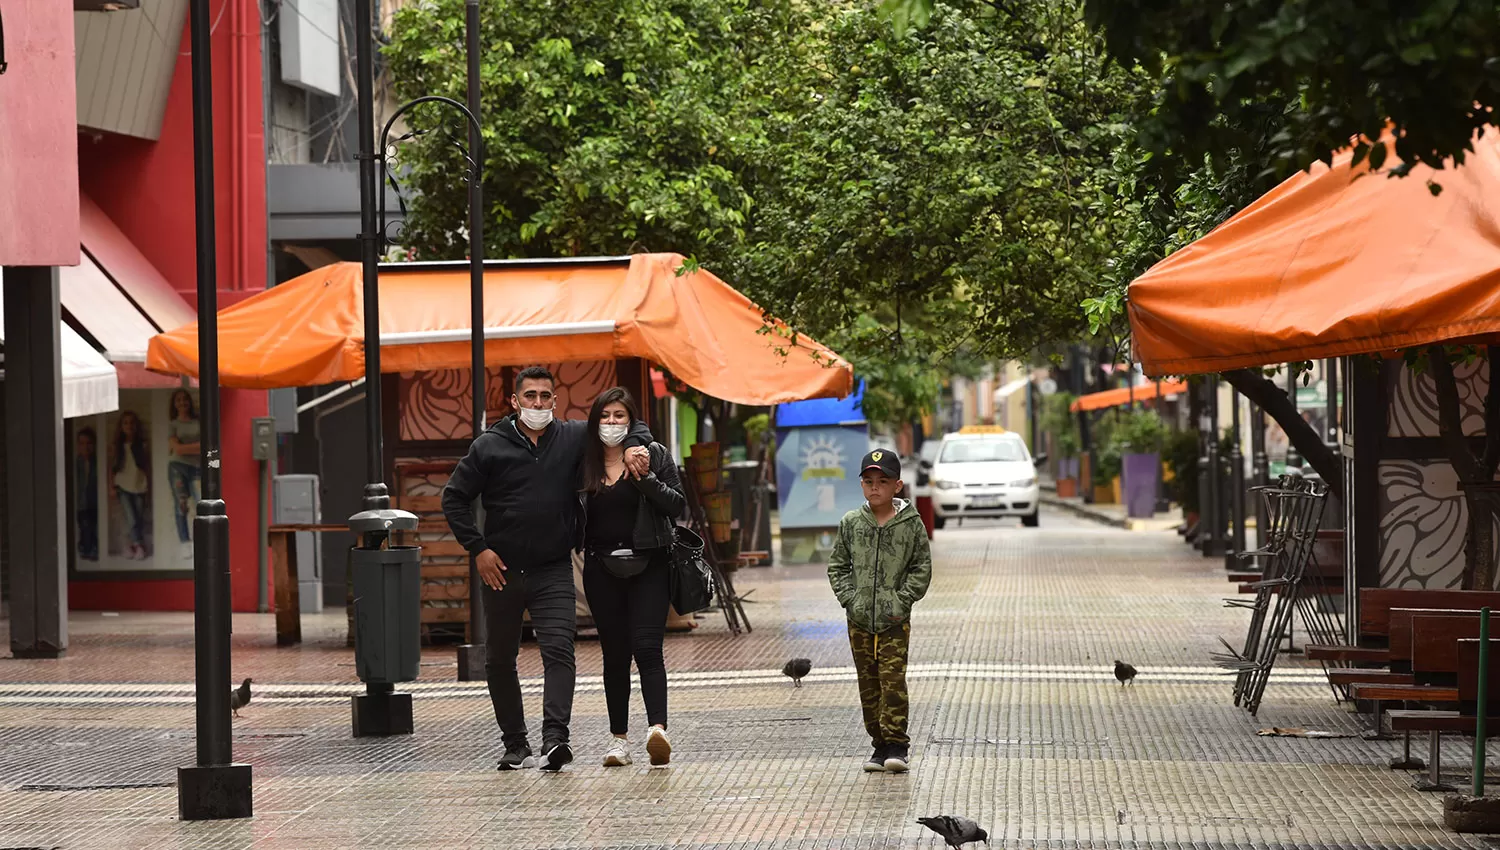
876, 762
896, 757
556, 756
517, 757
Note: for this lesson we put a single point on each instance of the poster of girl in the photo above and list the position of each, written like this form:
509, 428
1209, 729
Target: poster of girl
130, 481
183, 473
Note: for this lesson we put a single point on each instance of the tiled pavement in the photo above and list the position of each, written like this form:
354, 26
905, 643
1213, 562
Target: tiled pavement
1016, 722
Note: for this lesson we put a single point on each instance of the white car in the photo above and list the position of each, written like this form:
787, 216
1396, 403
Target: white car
985, 475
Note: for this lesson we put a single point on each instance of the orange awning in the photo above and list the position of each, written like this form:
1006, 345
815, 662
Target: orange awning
1327, 265
1123, 395
310, 331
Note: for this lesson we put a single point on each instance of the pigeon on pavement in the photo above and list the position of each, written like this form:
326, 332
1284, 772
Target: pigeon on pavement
956, 830
1124, 672
240, 697
796, 669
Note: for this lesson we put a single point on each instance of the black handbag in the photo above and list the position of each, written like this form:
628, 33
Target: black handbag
691, 581
624, 563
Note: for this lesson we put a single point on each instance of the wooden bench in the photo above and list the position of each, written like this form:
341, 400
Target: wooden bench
1375, 606
1445, 645
1433, 629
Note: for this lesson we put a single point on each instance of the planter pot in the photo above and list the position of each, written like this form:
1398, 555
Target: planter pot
1104, 494
1067, 488
1067, 468
1139, 472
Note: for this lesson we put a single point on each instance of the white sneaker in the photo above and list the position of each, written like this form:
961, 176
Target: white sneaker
618, 752
658, 747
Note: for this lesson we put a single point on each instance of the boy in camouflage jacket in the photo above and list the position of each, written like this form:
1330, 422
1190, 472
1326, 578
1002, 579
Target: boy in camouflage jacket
880, 566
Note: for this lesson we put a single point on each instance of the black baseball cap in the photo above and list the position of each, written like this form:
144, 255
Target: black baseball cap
884, 460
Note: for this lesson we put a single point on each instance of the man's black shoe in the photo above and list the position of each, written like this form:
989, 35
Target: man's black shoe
556, 756
897, 758
517, 757
876, 762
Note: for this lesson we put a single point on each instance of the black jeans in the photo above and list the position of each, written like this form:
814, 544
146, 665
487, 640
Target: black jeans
631, 615
547, 593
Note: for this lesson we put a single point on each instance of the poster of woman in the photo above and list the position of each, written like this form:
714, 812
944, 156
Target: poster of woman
130, 486
182, 464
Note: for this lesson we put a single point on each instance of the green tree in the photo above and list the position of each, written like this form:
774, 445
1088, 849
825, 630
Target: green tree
1338, 68
918, 202
609, 128
937, 191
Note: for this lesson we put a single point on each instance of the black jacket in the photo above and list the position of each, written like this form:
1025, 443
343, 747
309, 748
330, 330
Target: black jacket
662, 502
529, 492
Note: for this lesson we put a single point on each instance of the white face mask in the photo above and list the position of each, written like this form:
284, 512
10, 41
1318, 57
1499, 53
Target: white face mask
612, 434
536, 420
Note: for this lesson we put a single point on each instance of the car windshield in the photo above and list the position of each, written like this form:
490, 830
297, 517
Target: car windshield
982, 451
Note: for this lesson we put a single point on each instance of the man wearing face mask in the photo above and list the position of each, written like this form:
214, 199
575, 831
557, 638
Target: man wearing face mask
525, 468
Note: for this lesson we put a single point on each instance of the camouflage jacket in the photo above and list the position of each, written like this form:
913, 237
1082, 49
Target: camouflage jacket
879, 571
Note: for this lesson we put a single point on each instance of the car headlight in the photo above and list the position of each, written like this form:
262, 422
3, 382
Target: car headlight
1023, 482
947, 485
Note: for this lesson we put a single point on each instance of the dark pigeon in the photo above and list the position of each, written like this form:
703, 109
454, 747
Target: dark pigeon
796, 669
1124, 672
239, 697
955, 829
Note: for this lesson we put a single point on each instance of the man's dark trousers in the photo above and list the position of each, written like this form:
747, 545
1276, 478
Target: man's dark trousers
547, 592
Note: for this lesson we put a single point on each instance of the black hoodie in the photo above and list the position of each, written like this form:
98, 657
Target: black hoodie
529, 492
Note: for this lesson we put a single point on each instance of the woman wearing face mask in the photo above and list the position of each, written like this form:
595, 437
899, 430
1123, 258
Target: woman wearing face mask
628, 531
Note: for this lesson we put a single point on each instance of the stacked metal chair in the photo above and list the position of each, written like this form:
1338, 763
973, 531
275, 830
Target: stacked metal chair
1294, 507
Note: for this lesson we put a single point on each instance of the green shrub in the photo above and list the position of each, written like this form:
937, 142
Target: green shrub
1181, 456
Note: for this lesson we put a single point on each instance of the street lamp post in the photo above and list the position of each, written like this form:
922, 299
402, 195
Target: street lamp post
471, 656
215, 787
1213, 502
1236, 487
1260, 471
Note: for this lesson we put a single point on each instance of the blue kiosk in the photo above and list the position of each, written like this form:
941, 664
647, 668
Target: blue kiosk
819, 443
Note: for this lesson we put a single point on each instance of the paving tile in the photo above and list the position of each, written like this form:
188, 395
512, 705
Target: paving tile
1016, 721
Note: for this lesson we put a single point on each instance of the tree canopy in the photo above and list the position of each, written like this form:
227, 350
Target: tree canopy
910, 200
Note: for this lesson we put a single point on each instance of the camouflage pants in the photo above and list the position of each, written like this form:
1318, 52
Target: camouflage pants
880, 664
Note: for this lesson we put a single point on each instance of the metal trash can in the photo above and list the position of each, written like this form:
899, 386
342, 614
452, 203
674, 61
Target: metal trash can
387, 598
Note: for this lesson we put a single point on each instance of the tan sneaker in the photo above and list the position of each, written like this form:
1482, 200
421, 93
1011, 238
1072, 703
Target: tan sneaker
658, 747
618, 752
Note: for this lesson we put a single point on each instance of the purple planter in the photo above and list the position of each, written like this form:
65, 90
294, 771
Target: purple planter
1138, 484
1067, 468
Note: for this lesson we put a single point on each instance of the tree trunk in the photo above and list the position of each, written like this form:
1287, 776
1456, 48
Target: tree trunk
1278, 405
1476, 474
1479, 549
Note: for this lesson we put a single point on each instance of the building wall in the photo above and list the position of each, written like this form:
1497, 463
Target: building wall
146, 188
1423, 516
38, 137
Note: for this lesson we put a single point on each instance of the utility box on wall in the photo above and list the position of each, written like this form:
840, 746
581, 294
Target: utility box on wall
296, 501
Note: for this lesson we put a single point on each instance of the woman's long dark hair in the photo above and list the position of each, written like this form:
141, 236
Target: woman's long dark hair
172, 405
137, 445
593, 449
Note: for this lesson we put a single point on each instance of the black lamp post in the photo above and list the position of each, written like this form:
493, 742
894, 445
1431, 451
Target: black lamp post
471, 655
1236, 487
215, 787
1213, 498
